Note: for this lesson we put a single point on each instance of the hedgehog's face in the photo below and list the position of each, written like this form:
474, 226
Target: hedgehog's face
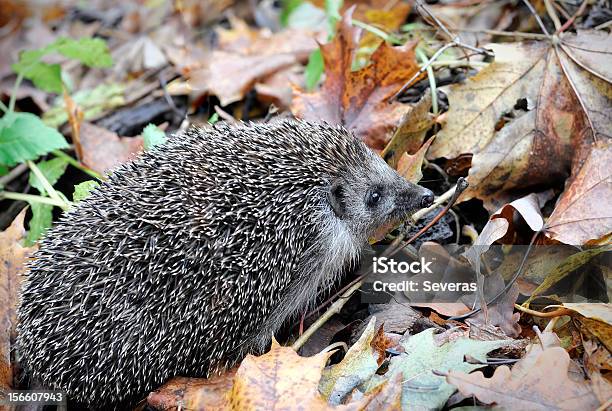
368, 199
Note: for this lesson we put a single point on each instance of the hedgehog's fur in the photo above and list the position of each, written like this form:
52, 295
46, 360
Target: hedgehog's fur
196, 252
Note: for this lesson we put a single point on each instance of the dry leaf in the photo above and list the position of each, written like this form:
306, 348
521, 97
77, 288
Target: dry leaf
544, 385
279, 379
409, 166
410, 133
359, 100
194, 393
501, 314
568, 110
581, 214
104, 150
12, 265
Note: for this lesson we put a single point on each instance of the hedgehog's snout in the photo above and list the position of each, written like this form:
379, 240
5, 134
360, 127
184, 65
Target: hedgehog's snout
427, 198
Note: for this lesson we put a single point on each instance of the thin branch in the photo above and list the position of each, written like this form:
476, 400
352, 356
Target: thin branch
538, 19
9, 195
13, 174
571, 20
552, 13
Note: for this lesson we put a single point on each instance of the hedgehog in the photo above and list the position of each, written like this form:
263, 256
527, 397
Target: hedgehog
196, 252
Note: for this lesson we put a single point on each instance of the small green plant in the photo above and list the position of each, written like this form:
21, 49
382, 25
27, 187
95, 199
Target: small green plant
24, 137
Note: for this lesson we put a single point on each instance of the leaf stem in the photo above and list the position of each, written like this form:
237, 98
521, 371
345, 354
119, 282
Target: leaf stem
376, 31
75, 163
47, 186
11, 106
432, 80
3, 107
9, 195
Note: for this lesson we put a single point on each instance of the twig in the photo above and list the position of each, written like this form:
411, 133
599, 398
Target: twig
571, 20
552, 13
432, 80
556, 313
538, 19
333, 309
507, 287
13, 174
459, 188
455, 41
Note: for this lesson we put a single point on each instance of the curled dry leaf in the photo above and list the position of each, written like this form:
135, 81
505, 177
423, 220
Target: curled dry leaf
12, 265
581, 216
567, 112
359, 100
544, 385
103, 150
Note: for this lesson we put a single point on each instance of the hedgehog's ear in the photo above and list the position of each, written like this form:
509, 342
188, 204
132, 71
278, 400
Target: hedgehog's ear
336, 198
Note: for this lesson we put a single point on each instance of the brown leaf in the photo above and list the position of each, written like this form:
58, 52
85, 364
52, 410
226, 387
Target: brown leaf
246, 57
409, 166
570, 109
501, 314
410, 133
543, 386
194, 393
359, 100
582, 215
104, 150
12, 266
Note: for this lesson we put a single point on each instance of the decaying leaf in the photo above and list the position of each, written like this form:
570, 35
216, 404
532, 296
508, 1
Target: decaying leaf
359, 100
544, 385
104, 150
194, 393
247, 57
502, 315
594, 317
409, 135
12, 260
582, 215
409, 166
565, 113
358, 365
422, 389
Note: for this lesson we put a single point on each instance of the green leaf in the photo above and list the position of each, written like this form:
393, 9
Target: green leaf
23, 136
423, 389
52, 170
91, 101
92, 52
4, 170
82, 191
153, 136
47, 77
314, 69
42, 216
214, 118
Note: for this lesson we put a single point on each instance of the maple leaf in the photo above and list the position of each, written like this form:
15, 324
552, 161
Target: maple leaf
542, 383
359, 100
564, 87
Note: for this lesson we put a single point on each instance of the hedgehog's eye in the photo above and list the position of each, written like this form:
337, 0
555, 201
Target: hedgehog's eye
374, 197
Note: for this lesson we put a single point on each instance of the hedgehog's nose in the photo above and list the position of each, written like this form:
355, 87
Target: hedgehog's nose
427, 199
